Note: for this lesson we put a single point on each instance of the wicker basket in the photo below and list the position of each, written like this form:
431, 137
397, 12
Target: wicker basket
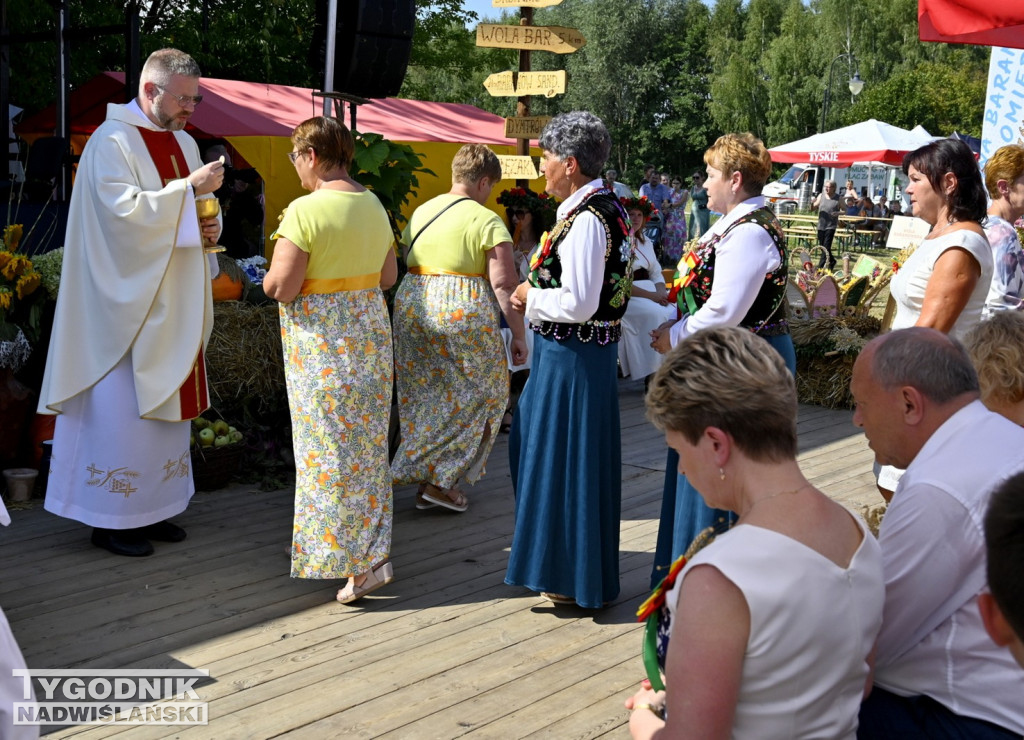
214, 467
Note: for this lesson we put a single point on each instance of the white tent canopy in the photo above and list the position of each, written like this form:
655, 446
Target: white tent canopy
867, 141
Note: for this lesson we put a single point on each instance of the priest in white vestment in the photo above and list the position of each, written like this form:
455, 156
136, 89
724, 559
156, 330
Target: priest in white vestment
125, 371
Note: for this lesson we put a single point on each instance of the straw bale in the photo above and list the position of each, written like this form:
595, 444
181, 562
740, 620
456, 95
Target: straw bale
822, 372
244, 360
872, 514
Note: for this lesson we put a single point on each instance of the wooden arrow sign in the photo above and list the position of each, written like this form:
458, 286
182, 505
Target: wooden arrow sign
524, 3
515, 167
540, 38
525, 127
547, 84
501, 84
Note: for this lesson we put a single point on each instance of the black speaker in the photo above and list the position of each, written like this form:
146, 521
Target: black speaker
373, 40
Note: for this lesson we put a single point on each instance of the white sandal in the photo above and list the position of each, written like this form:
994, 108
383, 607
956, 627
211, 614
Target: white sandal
382, 575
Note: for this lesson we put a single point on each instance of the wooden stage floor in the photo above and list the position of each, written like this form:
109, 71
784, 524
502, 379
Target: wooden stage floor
446, 650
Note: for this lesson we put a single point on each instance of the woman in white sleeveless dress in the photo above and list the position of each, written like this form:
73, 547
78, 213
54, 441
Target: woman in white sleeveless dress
773, 623
944, 283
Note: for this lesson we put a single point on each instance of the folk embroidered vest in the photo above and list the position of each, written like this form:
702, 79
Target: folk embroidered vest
767, 315
546, 270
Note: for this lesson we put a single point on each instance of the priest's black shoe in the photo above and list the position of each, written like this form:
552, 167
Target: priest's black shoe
122, 542
162, 532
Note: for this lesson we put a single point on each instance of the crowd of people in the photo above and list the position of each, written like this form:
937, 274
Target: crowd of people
793, 621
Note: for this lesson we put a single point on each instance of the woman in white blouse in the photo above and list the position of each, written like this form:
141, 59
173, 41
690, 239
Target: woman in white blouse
736, 277
649, 306
944, 283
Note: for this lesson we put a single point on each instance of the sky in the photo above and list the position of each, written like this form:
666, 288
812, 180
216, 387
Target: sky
483, 8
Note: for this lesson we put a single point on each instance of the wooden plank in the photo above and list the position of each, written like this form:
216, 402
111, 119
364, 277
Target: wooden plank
500, 84
506, 84
446, 650
557, 39
547, 83
525, 127
517, 167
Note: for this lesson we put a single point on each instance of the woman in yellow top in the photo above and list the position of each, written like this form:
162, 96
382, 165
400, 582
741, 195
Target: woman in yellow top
449, 353
334, 253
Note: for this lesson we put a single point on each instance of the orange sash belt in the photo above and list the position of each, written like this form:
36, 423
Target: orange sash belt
425, 270
338, 285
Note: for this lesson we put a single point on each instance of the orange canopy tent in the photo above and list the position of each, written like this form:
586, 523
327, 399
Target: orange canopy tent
257, 120
981, 22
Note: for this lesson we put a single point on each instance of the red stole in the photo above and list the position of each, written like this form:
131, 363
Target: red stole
166, 154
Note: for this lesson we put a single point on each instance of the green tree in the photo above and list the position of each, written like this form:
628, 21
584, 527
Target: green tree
455, 70
739, 87
687, 129
794, 101
940, 97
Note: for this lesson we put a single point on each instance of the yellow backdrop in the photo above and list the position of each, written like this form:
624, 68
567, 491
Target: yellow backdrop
269, 156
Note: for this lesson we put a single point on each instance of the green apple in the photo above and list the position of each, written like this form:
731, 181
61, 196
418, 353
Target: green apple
236, 436
221, 440
191, 440
206, 437
220, 427
200, 422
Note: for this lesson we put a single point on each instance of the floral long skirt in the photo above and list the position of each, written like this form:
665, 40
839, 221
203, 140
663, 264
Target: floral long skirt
452, 378
674, 238
338, 372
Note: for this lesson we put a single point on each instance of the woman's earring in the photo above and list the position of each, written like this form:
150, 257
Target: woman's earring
721, 473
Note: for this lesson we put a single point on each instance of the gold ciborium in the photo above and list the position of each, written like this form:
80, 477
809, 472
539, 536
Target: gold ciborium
209, 208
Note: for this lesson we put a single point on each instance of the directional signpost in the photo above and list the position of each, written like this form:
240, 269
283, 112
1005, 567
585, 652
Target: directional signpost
548, 84
526, 37
517, 167
525, 127
535, 38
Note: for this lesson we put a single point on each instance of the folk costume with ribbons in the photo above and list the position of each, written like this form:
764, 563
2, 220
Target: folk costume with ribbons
734, 275
692, 283
564, 446
125, 369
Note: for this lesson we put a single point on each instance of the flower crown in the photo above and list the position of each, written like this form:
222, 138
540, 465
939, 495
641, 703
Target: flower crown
527, 200
642, 204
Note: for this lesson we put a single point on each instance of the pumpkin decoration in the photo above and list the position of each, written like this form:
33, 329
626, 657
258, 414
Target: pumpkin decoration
230, 282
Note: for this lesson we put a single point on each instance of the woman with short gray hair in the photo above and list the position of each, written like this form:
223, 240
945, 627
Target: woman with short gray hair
581, 135
564, 446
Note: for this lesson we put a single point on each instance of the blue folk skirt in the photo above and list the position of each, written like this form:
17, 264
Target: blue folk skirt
566, 463
684, 515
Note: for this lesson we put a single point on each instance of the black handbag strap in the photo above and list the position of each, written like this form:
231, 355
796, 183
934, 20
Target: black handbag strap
436, 216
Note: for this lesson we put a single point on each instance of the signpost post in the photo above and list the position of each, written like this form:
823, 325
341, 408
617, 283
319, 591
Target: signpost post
526, 37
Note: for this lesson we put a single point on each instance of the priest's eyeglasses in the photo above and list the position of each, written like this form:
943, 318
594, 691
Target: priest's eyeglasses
183, 100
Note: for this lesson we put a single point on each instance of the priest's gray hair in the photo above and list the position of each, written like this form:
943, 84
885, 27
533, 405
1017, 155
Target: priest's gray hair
164, 64
581, 135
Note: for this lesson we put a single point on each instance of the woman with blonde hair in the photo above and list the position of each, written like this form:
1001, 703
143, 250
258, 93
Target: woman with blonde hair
771, 626
1004, 179
449, 354
334, 253
996, 348
736, 276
